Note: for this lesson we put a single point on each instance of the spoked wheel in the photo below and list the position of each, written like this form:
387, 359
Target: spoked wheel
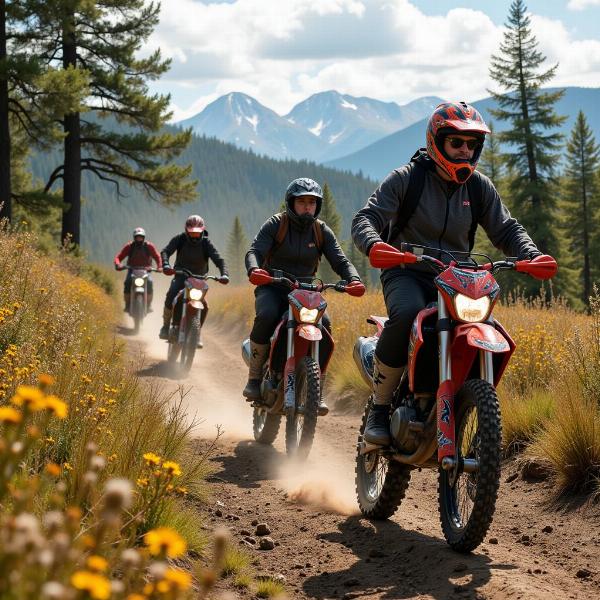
191, 342
265, 425
301, 424
137, 312
380, 483
467, 500
174, 347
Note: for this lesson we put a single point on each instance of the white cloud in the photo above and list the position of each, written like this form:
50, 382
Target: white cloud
281, 52
582, 4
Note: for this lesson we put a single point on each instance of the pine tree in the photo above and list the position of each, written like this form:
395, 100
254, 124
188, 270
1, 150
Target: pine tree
32, 96
122, 138
360, 261
490, 163
581, 202
533, 147
237, 246
332, 218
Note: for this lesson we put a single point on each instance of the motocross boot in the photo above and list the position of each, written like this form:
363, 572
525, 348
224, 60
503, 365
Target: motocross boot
164, 330
322, 408
258, 356
385, 382
126, 298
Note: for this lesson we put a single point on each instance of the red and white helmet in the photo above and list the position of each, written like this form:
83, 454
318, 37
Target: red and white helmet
139, 231
455, 117
194, 226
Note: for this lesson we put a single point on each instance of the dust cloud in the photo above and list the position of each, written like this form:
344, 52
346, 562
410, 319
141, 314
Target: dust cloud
212, 397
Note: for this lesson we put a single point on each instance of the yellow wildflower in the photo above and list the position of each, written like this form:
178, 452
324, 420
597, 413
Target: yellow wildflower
46, 380
172, 468
142, 482
53, 469
57, 407
10, 415
67, 466
152, 459
181, 580
29, 396
97, 586
97, 563
165, 540
136, 597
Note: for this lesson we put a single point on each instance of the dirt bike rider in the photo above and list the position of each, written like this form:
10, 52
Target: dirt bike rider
193, 251
443, 215
298, 254
139, 254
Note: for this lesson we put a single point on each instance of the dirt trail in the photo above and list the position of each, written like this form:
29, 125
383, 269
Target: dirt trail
325, 549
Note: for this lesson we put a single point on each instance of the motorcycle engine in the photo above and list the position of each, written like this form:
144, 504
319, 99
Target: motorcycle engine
404, 438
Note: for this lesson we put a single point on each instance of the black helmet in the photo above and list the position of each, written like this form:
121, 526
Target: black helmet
303, 187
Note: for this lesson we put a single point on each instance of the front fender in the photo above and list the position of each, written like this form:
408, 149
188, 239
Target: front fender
195, 304
309, 332
471, 338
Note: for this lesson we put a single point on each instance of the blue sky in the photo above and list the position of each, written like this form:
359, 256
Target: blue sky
282, 51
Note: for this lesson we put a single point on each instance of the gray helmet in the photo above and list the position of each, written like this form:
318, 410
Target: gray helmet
139, 231
303, 187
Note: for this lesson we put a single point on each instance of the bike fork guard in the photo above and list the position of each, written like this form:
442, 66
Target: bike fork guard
445, 420
289, 375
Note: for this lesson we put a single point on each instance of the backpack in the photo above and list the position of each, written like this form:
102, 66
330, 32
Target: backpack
284, 225
418, 168
146, 249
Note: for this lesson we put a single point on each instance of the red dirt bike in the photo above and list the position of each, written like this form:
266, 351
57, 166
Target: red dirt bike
138, 300
444, 413
298, 359
184, 332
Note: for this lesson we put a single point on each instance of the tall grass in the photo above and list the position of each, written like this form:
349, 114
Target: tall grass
92, 462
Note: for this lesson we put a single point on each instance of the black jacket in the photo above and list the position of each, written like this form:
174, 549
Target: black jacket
193, 256
442, 218
298, 253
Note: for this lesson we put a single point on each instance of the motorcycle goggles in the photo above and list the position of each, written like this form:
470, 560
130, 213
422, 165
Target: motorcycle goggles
456, 143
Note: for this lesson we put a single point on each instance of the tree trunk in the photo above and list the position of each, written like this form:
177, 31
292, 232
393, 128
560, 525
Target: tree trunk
71, 217
5, 191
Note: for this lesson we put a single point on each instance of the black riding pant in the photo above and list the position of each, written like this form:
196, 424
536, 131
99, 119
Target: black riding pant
406, 293
271, 303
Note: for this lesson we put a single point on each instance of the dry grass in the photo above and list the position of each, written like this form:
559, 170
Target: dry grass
75, 423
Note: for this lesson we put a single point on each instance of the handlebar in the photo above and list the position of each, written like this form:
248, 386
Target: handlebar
188, 273
147, 269
264, 278
383, 256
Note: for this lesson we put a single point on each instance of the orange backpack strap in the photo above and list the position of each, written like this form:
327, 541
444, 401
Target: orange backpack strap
279, 238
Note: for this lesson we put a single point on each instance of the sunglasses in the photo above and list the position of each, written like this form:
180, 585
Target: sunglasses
457, 143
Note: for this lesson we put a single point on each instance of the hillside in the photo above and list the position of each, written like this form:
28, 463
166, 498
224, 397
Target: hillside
381, 157
231, 182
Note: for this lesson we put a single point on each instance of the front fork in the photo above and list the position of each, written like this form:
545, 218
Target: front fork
290, 363
446, 432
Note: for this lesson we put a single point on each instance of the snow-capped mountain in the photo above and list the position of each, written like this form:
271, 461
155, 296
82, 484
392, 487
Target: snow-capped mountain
323, 127
346, 124
245, 122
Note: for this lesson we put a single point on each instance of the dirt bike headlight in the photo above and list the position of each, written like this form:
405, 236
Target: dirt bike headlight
309, 315
196, 294
471, 311
138, 282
